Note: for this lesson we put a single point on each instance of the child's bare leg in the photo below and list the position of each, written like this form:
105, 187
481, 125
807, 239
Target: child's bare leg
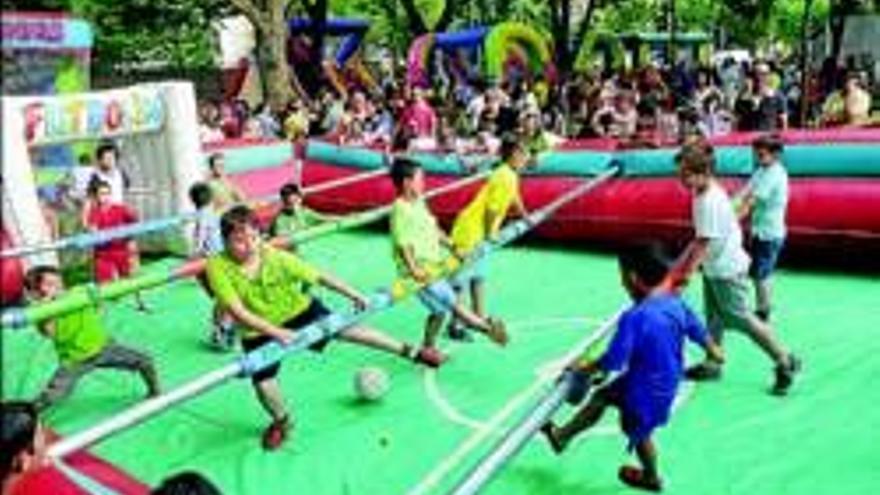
432, 329
139, 302
270, 398
370, 337
586, 417
470, 318
494, 329
478, 297
762, 297
647, 453
762, 334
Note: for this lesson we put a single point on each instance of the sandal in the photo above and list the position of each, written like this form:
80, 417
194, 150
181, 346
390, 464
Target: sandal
635, 478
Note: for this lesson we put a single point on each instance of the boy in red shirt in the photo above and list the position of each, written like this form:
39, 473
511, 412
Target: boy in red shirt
25, 468
119, 257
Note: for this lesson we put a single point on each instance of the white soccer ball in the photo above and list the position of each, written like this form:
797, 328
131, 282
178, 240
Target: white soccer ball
371, 383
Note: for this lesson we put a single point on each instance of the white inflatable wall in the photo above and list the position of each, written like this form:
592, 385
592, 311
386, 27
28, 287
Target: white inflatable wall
158, 127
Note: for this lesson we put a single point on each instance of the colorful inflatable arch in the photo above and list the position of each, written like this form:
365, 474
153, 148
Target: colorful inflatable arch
347, 63
514, 39
502, 47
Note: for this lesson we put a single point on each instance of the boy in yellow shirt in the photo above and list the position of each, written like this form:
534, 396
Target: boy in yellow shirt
81, 343
482, 219
417, 242
265, 290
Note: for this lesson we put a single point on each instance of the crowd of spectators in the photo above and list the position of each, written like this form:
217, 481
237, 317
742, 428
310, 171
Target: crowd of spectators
646, 107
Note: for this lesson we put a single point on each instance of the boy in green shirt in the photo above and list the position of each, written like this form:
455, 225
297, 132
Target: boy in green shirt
81, 342
263, 289
293, 216
223, 191
418, 242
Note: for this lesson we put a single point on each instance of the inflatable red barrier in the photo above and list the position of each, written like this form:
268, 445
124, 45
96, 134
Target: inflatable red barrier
822, 212
11, 273
50, 480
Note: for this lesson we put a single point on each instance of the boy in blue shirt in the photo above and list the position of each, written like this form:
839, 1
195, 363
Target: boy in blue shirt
765, 201
647, 350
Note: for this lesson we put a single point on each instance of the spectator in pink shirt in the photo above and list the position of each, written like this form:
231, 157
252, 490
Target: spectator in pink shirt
419, 116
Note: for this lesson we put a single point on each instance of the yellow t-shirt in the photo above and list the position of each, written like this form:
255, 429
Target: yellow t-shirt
413, 225
496, 195
277, 293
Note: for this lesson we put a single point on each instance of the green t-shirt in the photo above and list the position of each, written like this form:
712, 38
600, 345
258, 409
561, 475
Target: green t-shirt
538, 143
221, 193
277, 293
288, 222
79, 335
413, 225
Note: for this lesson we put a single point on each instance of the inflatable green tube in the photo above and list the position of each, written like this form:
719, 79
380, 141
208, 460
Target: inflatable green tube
801, 160
367, 159
254, 157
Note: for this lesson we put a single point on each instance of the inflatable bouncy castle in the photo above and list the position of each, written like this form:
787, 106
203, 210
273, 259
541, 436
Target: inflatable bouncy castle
496, 53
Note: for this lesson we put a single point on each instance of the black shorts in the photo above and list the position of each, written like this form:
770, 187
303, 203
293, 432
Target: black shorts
315, 312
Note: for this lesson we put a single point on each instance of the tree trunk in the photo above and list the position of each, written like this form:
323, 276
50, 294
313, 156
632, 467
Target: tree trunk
805, 67
318, 15
583, 28
837, 23
275, 68
449, 10
560, 23
270, 25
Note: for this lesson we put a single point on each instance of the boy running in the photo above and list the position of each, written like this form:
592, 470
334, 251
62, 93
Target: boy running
718, 250
263, 289
648, 351
417, 243
81, 343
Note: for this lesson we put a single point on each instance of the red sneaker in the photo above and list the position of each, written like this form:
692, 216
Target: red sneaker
635, 478
275, 434
430, 357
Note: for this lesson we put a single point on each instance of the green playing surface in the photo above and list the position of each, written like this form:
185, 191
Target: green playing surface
725, 438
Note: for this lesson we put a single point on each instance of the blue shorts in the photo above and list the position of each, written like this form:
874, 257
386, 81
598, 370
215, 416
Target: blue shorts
637, 424
764, 255
474, 272
438, 297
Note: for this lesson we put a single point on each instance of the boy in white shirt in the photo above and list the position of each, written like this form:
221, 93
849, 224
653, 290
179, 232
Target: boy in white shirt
718, 250
207, 241
765, 201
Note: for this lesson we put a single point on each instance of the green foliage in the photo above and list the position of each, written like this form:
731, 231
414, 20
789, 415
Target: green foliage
178, 32
133, 32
